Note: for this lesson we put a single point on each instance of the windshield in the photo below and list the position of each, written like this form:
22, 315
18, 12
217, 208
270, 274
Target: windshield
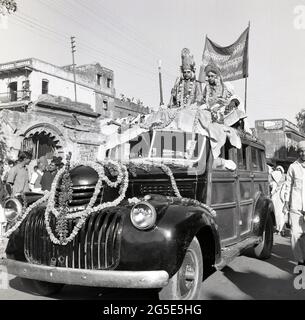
176, 145
161, 145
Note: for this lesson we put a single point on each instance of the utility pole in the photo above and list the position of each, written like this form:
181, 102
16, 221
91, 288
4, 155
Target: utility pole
246, 79
73, 60
160, 84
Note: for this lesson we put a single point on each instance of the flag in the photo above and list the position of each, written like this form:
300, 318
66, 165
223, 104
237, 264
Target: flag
231, 60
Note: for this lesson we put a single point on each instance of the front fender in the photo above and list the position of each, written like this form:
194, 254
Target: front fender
163, 247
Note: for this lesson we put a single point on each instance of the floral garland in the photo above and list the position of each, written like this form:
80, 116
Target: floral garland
146, 163
185, 100
122, 178
26, 213
193, 202
90, 209
65, 196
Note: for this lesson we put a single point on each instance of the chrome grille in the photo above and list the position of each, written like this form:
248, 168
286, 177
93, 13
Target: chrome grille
95, 247
81, 196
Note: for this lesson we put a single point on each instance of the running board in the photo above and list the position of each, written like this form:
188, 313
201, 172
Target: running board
231, 252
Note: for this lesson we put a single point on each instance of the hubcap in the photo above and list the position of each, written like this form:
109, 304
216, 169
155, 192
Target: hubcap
188, 275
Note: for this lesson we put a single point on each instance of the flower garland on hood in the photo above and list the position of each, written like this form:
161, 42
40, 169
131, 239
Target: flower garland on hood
62, 214
82, 215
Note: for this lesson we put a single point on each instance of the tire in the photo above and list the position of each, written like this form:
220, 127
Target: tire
264, 249
186, 282
41, 287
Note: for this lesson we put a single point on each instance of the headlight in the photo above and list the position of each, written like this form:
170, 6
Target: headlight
143, 215
12, 209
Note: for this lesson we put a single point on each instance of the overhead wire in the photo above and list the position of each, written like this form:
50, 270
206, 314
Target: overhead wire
114, 42
64, 39
41, 31
121, 26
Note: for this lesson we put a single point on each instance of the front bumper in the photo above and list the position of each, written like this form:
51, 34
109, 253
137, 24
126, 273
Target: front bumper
90, 278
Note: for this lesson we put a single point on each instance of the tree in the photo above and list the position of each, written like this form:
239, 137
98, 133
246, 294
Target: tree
9, 5
300, 117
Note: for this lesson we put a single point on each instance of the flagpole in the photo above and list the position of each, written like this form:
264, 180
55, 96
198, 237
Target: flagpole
246, 79
160, 83
246, 87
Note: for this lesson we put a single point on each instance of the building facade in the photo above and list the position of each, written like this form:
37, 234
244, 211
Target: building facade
38, 111
280, 137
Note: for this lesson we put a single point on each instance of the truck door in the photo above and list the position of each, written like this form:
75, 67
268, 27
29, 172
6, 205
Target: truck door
245, 189
223, 198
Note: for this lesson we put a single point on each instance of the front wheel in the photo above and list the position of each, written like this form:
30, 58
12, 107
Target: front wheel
186, 283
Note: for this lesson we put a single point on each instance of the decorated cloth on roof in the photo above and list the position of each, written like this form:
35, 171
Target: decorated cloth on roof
118, 138
193, 119
198, 120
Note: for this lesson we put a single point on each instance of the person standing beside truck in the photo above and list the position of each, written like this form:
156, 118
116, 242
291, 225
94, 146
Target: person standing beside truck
295, 204
3, 195
277, 195
18, 176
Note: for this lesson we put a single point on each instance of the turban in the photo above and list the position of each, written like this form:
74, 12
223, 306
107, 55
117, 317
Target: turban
212, 68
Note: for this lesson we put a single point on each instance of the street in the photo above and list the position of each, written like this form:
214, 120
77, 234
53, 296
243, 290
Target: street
244, 279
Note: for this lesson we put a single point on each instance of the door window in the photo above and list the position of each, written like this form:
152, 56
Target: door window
256, 159
242, 157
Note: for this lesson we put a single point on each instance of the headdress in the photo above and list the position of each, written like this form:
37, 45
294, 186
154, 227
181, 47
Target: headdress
187, 60
212, 68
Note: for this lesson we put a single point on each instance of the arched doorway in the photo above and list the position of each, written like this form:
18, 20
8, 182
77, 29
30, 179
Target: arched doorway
42, 141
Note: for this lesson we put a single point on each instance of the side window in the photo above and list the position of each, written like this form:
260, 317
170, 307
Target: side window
226, 151
242, 157
260, 160
222, 163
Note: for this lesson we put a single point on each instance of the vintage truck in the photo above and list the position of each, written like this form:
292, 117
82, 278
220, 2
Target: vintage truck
164, 218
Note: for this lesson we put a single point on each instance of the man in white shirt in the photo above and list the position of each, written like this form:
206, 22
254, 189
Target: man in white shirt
35, 184
295, 204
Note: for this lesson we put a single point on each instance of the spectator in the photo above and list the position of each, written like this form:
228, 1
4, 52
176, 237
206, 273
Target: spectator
3, 195
18, 176
35, 182
50, 173
295, 204
6, 168
277, 196
3, 192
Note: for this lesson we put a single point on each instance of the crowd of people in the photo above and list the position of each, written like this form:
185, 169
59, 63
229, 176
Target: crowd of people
25, 175
288, 195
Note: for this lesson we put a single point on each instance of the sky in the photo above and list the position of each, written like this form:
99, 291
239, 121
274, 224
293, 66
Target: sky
130, 36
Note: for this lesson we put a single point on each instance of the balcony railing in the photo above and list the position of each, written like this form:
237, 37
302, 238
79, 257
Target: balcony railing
19, 95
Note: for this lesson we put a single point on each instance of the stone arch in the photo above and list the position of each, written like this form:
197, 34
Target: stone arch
52, 136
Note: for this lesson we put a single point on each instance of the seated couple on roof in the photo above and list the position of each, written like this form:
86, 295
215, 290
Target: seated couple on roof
216, 97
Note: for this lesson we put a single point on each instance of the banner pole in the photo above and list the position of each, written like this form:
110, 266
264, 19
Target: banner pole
246, 79
160, 83
246, 86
